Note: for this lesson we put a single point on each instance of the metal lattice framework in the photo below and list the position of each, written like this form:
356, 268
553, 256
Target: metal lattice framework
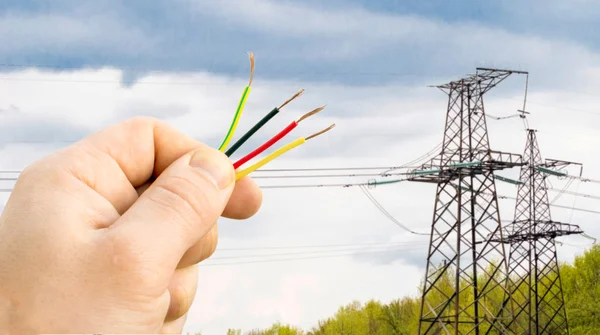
466, 274
536, 291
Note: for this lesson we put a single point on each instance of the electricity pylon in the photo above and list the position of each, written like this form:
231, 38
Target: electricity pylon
465, 278
535, 284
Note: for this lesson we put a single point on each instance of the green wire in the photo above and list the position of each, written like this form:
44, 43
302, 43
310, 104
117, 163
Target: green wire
236, 119
251, 132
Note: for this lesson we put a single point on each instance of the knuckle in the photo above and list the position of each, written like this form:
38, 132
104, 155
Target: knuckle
28, 172
131, 262
208, 245
180, 302
42, 170
181, 196
141, 121
214, 240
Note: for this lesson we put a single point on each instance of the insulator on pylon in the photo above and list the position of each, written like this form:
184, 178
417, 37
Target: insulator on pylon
371, 183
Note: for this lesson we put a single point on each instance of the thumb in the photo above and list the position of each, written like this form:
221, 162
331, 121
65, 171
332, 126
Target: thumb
180, 207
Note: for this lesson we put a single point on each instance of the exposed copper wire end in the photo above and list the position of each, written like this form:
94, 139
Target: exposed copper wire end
251, 55
321, 132
311, 113
299, 93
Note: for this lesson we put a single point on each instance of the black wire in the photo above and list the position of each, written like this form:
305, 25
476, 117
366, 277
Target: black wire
251, 132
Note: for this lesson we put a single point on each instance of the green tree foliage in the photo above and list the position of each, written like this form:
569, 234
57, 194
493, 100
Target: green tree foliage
277, 329
581, 286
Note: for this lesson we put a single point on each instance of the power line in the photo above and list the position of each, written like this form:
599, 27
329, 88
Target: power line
163, 72
424, 156
367, 184
577, 194
561, 191
344, 185
325, 176
502, 117
306, 258
386, 213
313, 186
307, 252
558, 206
338, 169
583, 179
558, 107
319, 246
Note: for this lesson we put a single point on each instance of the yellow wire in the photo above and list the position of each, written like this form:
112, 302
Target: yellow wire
269, 158
236, 120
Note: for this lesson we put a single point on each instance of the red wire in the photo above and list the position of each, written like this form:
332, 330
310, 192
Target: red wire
265, 146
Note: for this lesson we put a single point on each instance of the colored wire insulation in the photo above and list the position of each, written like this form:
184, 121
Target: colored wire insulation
279, 152
240, 108
259, 125
275, 138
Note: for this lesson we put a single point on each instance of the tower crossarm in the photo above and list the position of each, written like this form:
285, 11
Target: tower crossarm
439, 169
484, 78
557, 164
550, 163
522, 231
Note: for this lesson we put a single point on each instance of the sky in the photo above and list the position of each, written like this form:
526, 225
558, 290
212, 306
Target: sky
69, 68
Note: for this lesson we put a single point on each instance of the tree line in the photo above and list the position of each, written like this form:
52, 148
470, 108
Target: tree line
581, 288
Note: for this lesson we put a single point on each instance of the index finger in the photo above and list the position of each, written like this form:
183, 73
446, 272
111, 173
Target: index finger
120, 158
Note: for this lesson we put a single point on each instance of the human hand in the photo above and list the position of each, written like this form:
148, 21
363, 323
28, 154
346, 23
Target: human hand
90, 242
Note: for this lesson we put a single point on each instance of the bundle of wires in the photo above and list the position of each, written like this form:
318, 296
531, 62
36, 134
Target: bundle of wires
260, 124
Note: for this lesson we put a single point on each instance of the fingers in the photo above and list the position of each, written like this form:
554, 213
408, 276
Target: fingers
118, 159
140, 144
245, 200
182, 290
179, 208
201, 250
174, 327
207, 245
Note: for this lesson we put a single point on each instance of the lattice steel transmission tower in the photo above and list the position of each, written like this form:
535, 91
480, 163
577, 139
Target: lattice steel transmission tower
535, 284
465, 278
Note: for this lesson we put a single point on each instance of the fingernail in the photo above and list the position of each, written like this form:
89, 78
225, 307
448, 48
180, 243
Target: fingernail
217, 168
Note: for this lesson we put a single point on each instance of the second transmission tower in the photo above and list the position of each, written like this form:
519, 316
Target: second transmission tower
535, 284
